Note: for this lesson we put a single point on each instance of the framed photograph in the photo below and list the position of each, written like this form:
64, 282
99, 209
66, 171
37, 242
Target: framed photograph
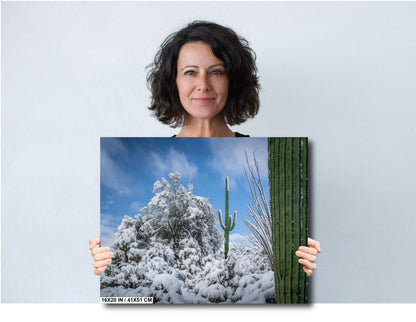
204, 220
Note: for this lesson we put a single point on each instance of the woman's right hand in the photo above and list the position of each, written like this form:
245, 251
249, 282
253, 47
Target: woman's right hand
102, 255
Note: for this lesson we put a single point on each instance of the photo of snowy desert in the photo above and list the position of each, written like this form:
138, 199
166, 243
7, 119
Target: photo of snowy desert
187, 219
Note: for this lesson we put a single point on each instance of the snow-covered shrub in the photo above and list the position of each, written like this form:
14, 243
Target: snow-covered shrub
172, 252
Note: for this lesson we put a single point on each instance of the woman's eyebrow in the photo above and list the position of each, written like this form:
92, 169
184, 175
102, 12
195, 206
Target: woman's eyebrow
195, 66
222, 65
188, 66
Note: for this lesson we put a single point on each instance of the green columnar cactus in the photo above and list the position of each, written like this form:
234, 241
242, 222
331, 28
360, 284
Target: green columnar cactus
288, 176
228, 224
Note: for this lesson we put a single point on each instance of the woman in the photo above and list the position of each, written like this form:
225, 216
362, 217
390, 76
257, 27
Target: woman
204, 79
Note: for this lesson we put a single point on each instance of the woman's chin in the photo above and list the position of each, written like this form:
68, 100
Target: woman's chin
204, 115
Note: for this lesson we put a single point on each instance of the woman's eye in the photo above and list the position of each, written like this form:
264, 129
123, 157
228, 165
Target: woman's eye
190, 72
217, 72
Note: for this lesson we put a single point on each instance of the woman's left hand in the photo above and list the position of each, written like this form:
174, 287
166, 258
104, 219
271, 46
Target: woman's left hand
308, 255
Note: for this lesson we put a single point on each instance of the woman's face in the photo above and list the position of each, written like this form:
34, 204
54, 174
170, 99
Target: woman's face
201, 80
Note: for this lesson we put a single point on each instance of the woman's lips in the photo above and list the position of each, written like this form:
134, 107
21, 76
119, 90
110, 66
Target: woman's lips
203, 99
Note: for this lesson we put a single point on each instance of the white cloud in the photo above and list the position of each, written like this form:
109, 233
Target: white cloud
108, 227
229, 157
238, 239
111, 174
172, 161
113, 146
107, 202
136, 206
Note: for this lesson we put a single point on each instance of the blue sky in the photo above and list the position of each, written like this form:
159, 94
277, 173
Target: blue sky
130, 167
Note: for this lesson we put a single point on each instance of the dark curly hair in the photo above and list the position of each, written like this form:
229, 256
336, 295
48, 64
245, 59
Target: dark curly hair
240, 67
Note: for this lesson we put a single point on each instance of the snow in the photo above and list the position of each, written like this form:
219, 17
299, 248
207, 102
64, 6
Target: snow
172, 251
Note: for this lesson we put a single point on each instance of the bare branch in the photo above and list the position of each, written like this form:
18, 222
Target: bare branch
259, 211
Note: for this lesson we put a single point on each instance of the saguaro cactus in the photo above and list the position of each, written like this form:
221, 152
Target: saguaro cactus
288, 176
228, 224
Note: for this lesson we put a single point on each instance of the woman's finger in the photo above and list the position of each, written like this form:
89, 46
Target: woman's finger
315, 244
308, 250
103, 256
98, 271
307, 263
308, 271
99, 250
94, 242
103, 263
304, 255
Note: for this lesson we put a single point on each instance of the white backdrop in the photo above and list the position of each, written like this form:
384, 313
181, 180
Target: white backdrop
342, 74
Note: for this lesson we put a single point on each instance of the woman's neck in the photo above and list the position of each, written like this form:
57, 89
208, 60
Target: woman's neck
206, 128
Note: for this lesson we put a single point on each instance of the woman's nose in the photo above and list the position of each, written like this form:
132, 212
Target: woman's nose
203, 83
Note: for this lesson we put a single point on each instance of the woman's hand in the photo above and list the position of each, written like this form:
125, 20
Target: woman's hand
102, 255
308, 255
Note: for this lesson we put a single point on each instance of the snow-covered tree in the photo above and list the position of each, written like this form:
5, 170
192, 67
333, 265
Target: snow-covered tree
177, 214
176, 229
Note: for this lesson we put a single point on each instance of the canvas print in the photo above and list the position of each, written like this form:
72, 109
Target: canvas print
204, 220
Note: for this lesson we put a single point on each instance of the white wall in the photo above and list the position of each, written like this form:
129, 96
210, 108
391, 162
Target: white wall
342, 74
